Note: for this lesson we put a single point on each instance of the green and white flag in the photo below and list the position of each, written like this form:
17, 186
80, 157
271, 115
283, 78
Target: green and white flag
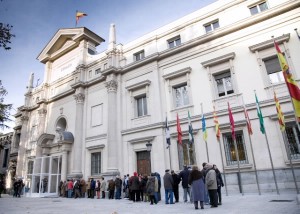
191, 136
260, 117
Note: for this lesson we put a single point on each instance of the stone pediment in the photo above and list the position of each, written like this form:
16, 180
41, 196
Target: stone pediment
65, 40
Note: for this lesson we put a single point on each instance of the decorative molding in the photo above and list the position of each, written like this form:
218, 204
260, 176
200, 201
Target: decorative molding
79, 98
177, 73
42, 112
101, 146
111, 86
269, 43
138, 85
142, 139
218, 60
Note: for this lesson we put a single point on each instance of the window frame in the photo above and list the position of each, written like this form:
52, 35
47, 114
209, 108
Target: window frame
258, 7
182, 101
294, 155
211, 26
224, 74
173, 42
182, 153
95, 171
139, 55
144, 103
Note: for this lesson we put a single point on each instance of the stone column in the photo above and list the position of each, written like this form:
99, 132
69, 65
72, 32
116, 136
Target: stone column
77, 159
42, 116
112, 132
64, 165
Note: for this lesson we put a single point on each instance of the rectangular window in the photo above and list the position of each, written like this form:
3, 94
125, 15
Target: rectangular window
211, 26
186, 154
274, 70
98, 71
141, 106
231, 157
181, 95
96, 163
258, 8
174, 42
224, 84
293, 137
5, 158
138, 56
30, 167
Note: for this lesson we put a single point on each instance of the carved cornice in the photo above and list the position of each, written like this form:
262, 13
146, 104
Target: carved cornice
79, 98
111, 86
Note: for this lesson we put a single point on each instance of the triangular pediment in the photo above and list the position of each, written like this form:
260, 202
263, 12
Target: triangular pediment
65, 40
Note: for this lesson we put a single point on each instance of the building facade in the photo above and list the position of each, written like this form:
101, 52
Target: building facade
94, 113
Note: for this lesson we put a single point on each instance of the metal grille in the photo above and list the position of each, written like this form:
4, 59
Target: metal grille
293, 137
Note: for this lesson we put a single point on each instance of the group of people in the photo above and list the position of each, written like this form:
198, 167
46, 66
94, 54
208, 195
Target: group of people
18, 187
197, 184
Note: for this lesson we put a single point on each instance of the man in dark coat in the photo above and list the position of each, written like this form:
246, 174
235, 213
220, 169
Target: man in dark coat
176, 181
168, 184
184, 176
93, 186
1, 187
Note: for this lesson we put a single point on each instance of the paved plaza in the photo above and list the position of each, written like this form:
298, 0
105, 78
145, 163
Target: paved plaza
233, 204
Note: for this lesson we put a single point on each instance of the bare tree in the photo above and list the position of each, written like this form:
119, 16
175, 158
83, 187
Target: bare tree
4, 108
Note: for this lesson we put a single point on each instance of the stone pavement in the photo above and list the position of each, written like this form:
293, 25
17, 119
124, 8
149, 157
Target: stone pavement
233, 204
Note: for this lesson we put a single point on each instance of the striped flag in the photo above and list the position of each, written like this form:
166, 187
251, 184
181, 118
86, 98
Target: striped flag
167, 130
179, 132
191, 136
204, 131
79, 15
217, 125
290, 82
231, 120
249, 127
260, 117
279, 114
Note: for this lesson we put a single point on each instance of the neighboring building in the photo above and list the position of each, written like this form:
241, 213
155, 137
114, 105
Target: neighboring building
8, 159
94, 113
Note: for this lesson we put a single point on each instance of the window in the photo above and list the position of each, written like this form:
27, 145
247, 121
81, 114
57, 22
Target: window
274, 70
181, 95
186, 154
98, 71
5, 158
211, 26
174, 42
141, 105
138, 56
231, 157
293, 137
96, 163
224, 84
30, 167
258, 8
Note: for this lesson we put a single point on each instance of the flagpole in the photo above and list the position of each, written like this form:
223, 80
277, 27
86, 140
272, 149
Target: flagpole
237, 157
250, 141
223, 166
203, 139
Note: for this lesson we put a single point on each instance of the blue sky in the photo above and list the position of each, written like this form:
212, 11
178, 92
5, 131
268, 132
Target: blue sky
36, 21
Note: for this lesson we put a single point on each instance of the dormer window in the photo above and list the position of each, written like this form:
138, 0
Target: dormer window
260, 7
139, 55
174, 42
211, 26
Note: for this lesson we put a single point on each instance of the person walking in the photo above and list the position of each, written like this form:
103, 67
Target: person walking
168, 184
211, 183
184, 176
176, 181
197, 184
220, 184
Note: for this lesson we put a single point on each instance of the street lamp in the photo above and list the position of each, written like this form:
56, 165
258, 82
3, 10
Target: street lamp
149, 146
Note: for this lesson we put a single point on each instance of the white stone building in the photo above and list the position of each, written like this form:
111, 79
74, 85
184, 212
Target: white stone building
94, 113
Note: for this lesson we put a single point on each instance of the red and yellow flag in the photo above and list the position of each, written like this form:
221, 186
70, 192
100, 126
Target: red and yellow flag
279, 114
231, 120
290, 82
217, 125
179, 132
79, 15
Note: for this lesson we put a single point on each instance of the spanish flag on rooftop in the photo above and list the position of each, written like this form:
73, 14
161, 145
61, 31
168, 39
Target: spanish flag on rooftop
79, 15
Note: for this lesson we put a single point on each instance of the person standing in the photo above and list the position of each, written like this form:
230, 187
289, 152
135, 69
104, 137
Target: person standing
103, 187
1, 186
197, 183
83, 186
77, 189
118, 184
97, 188
70, 188
134, 184
93, 186
206, 197
111, 189
220, 184
168, 184
184, 176
176, 181
150, 188
211, 183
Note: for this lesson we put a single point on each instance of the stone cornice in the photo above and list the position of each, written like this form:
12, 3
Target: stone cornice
143, 128
138, 85
218, 60
177, 73
142, 139
269, 43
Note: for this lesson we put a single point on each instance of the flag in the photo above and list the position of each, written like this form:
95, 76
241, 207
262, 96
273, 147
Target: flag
191, 136
167, 130
279, 114
249, 127
179, 133
204, 131
79, 15
231, 122
217, 125
260, 117
290, 82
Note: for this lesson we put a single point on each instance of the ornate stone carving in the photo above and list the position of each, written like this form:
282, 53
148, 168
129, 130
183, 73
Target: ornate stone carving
24, 118
111, 86
79, 98
42, 112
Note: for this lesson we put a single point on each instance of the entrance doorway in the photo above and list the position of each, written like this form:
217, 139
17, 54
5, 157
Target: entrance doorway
143, 162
